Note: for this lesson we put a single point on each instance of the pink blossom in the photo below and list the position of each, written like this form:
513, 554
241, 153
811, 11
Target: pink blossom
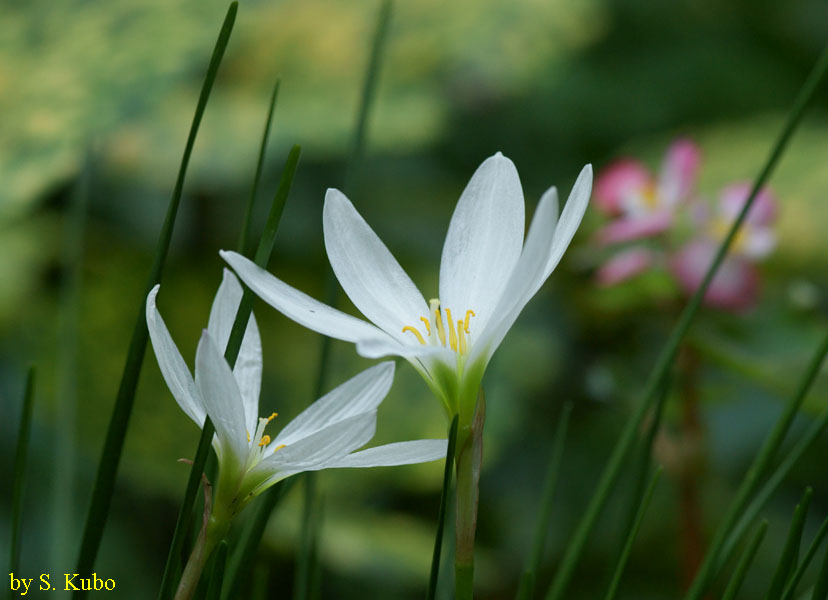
625, 265
626, 229
677, 180
621, 178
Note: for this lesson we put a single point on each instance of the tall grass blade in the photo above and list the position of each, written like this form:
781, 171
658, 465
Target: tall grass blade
668, 354
743, 510
735, 583
441, 515
217, 573
231, 353
790, 589
247, 222
303, 568
625, 552
526, 588
787, 562
821, 587
116, 432
19, 477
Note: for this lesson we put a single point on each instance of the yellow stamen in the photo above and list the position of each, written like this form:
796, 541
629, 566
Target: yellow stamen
462, 337
248, 437
452, 332
279, 447
469, 314
265, 440
415, 332
438, 318
427, 324
273, 416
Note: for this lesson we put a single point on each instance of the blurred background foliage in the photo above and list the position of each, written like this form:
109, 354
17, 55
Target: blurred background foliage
108, 89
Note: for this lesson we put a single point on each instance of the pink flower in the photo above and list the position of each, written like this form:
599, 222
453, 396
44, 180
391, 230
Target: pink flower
625, 265
735, 285
756, 238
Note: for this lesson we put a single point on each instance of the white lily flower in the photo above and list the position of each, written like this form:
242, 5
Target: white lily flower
324, 436
487, 275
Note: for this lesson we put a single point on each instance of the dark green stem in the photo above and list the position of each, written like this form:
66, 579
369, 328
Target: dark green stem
19, 477
441, 515
468, 460
745, 561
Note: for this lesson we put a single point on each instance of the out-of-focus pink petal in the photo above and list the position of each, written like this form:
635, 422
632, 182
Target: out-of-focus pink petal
617, 180
677, 180
627, 229
624, 265
735, 286
732, 199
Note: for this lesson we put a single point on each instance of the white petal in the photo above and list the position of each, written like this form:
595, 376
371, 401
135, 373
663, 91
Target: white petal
172, 365
248, 368
526, 277
360, 394
380, 348
322, 447
401, 453
484, 240
298, 306
220, 392
570, 219
367, 271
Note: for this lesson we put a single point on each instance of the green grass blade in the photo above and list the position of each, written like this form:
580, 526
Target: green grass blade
625, 553
668, 354
303, 568
738, 517
247, 222
735, 583
821, 587
119, 422
787, 562
790, 589
19, 478
217, 573
526, 588
231, 353
251, 537
441, 515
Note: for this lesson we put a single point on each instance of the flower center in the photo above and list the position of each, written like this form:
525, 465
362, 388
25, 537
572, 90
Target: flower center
260, 438
436, 329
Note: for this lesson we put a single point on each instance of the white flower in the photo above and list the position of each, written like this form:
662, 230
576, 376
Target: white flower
487, 275
324, 436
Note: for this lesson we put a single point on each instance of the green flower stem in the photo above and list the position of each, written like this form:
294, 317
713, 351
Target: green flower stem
666, 357
527, 581
468, 459
19, 478
745, 561
441, 516
121, 413
790, 590
742, 510
787, 561
230, 354
217, 574
625, 553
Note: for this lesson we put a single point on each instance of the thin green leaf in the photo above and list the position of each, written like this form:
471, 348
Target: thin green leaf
787, 562
743, 510
231, 353
441, 515
821, 587
119, 422
667, 356
790, 590
526, 588
303, 568
217, 573
247, 222
251, 537
735, 583
19, 478
625, 553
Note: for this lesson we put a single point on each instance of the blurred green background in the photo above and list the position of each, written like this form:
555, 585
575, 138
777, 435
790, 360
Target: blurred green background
106, 92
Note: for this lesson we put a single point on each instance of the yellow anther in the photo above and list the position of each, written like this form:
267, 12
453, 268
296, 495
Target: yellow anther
452, 332
415, 332
265, 440
427, 324
273, 416
461, 337
248, 437
469, 314
438, 320
279, 447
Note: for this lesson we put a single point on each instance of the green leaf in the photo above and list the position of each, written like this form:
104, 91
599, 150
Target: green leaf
790, 590
19, 477
735, 583
787, 562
